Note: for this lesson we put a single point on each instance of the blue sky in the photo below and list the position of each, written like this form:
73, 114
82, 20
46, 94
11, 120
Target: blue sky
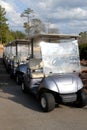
65, 15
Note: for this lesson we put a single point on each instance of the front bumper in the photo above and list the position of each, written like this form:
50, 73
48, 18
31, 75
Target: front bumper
66, 98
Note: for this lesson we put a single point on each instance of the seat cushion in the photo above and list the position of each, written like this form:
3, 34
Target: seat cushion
34, 64
37, 75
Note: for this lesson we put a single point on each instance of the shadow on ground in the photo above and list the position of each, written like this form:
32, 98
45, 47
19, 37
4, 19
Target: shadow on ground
9, 90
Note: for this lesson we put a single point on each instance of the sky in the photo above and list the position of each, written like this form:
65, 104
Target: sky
69, 17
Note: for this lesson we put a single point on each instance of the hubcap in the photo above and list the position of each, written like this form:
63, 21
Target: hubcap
43, 102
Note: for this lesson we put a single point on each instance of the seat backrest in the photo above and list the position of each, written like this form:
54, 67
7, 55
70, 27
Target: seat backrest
16, 59
23, 58
35, 64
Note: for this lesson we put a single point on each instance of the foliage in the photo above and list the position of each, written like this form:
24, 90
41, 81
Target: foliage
83, 51
33, 25
83, 37
83, 45
17, 34
37, 26
5, 34
53, 30
3, 25
28, 13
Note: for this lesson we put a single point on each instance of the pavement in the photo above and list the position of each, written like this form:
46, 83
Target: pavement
20, 111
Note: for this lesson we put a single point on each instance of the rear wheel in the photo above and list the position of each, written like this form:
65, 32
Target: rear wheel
11, 75
18, 79
23, 87
47, 102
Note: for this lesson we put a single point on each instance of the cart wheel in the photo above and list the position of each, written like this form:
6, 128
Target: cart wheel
47, 102
23, 87
81, 99
11, 75
18, 80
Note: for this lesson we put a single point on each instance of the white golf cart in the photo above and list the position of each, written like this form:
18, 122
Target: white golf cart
53, 71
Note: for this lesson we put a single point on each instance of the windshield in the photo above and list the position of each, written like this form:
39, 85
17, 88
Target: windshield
10, 51
23, 51
60, 57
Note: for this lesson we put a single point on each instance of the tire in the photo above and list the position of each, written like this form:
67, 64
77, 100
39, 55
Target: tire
23, 87
11, 75
81, 99
47, 102
18, 80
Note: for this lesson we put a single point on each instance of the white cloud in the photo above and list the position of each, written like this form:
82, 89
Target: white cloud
75, 13
7, 6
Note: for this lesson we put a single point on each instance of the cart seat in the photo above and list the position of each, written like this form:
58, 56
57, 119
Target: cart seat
36, 75
23, 58
36, 64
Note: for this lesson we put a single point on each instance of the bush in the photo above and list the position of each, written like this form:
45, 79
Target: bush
83, 51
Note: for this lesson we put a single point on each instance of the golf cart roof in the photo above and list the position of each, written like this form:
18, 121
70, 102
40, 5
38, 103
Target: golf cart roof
56, 36
18, 41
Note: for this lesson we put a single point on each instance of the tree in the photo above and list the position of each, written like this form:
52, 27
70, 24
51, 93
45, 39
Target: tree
17, 35
83, 38
53, 30
33, 25
3, 25
28, 13
83, 51
37, 26
83, 45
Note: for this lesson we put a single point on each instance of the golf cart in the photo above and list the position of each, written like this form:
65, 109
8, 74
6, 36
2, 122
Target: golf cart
53, 71
8, 55
5, 56
20, 60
